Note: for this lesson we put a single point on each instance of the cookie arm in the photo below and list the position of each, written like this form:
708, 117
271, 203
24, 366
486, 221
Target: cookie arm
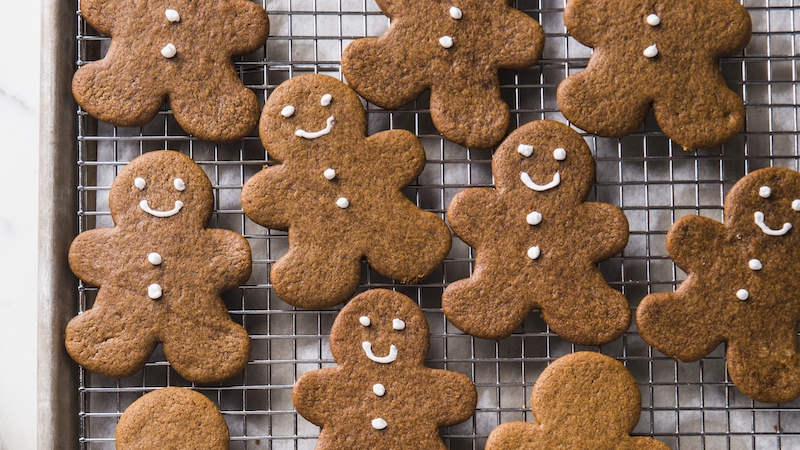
398, 158
313, 394
605, 230
584, 21
456, 397
231, 258
99, 14
86, 255
470, 214
694, 242
246, 24
730, 27
266, 195
522, 40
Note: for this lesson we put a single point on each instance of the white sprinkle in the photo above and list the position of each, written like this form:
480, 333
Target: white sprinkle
796, 205
653, 20
140, 183
534, 252
446, 41
379, 423
169, 51
378, 389
534, 218
172, 15
364, 320
560, 154
154, 258
456, 13
326, 100
525, 150
342, 202
329, 174
755, 264
764, 191
398, 324
742, 294
154, 291
287, 111
651, 51
179, 184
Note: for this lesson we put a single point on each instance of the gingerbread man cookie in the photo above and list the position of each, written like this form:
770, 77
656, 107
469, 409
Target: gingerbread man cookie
659, 54
172, 418
160, 273
454, 48
178, 50
741, 287
381, 395
537, 242
339, 193
582, 400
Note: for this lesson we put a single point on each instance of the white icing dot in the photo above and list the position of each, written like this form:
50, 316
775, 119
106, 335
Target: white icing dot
560, 154
326, 100
742, 294
525, 150
364, 320
179, 184
379, 423
378, 389
172, 15
329, 174
764, 191
398, 324
456, 13
342, 202
154, 291
534, 218
755, 264
651, 51
154, 258
140, 183
287, 111
796, 205
169, 51
446, 41
653, 20
534, 252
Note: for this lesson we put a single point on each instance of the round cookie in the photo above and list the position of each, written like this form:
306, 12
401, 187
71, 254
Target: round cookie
381, 395
172, 418
455, 49
339, 193
178, 50
660, 54
582, 400
160, 273
537, 242
741, 287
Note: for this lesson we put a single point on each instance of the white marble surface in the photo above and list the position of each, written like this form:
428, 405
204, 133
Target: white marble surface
19, 127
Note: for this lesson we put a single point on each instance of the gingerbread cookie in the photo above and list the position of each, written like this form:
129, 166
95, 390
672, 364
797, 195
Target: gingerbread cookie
660, 54
741, 287
453, 48
582, 400
381, 395
537, 242
160, 273
178, 50
339, 193
172, 418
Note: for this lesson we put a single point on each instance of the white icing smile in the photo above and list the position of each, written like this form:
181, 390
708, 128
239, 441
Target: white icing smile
367, 346
316, 134
539, 187
759, 218
146, 208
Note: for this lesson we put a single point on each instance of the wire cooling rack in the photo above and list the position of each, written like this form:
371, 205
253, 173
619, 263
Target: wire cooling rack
688, 406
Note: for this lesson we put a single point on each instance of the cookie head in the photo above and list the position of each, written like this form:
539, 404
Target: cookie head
380, 327
765, 203
308, 110
546, 158
161, 186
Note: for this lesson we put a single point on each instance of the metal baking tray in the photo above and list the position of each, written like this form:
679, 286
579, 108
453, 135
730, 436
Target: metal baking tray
688, 406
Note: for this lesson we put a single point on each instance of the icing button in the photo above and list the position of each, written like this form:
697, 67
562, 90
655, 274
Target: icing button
742, 294
456, 13
446, 41
154, 291
329, 174
172, 15
534, 252
534, 218
378, 389
154, 259
755, 264
651, 51
342, 202
653, 20
379, 424
169, 51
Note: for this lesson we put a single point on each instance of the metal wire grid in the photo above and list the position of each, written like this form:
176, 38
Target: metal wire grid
689, 406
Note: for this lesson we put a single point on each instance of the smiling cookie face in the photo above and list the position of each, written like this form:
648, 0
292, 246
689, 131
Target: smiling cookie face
163, 185
310, 110
768, 205
372, 330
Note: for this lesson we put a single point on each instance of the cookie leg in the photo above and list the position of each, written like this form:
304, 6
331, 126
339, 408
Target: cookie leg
766, 370
483, 308
204, 345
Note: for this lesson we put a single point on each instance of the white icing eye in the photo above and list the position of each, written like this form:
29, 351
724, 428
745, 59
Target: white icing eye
326, 100
560, 154
525, 150
364, 320
764, 191
140, 183
653, 20
169, 51
796, 205
398, 324
456, 13
287, 111
179, 184
172, 15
